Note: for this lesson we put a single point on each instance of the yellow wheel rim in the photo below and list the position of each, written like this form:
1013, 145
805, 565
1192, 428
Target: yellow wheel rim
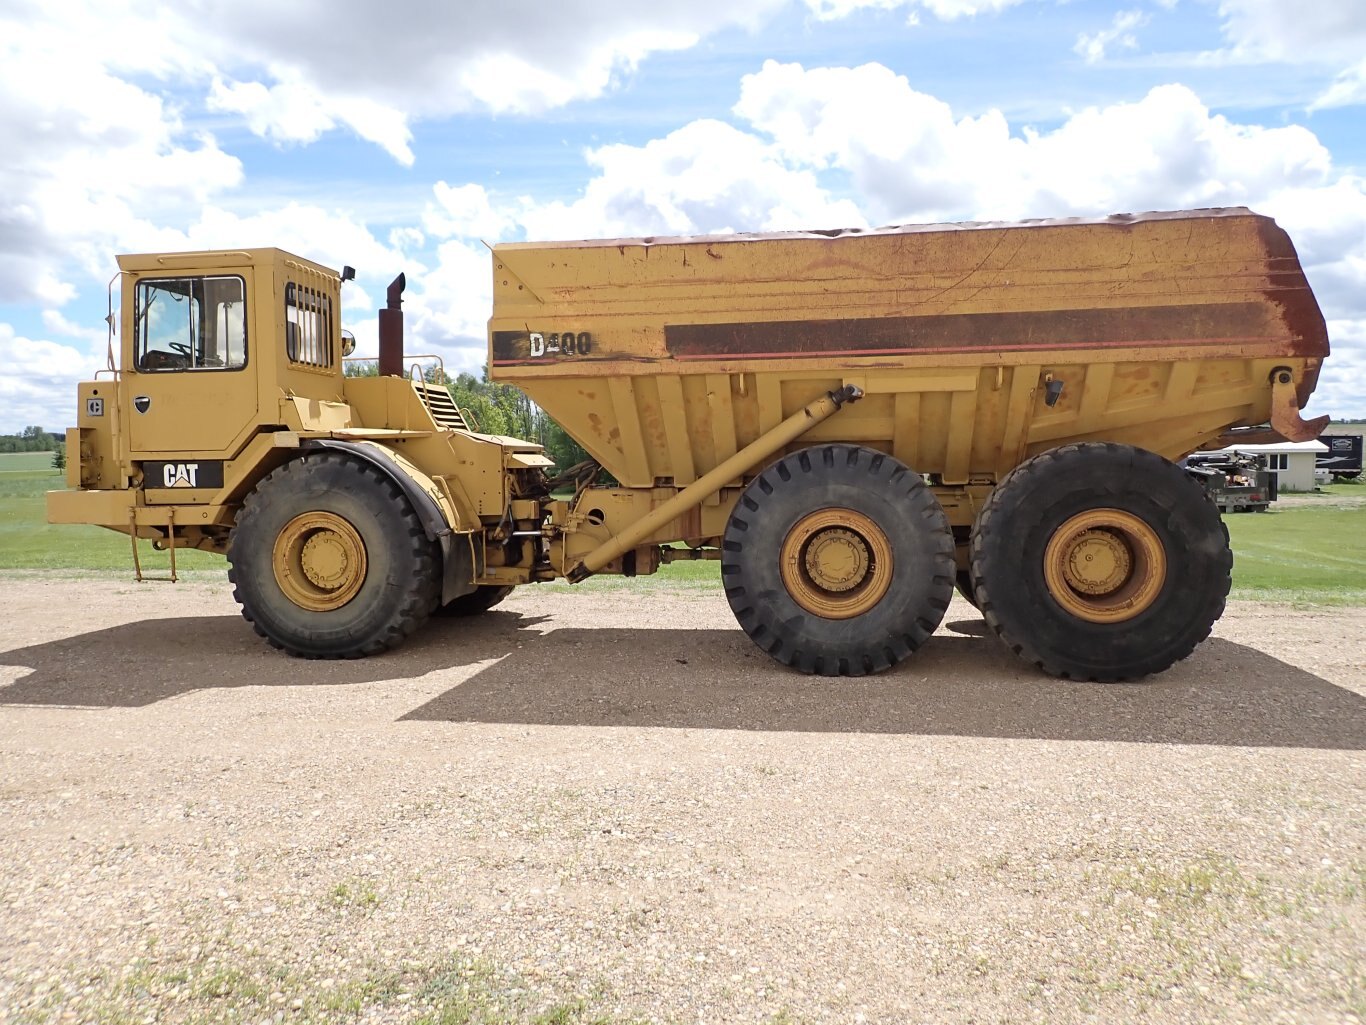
319, 561
1105, 566
836, 563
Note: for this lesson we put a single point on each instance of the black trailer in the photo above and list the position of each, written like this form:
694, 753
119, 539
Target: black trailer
1343, 458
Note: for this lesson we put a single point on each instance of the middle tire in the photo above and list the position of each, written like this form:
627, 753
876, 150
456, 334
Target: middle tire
838, 561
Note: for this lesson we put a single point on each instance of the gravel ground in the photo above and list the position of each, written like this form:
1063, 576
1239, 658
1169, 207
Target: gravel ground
608, 806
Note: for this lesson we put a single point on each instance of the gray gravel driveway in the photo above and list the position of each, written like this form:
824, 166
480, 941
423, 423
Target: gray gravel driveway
608, 806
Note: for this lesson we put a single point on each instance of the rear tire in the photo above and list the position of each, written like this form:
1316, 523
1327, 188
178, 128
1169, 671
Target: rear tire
329, 560
481, 599
838, 561
1100, 562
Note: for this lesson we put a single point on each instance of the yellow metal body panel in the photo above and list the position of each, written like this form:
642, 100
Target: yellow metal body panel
246, 416
664, 357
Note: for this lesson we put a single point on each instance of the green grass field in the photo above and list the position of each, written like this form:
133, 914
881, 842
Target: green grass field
1309, 553
28, 541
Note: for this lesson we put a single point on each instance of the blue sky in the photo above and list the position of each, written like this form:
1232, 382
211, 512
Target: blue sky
403, 136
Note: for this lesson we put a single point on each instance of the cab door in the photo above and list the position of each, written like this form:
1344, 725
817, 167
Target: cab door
191, 386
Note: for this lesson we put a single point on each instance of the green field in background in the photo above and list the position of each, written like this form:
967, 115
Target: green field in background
28, 541
26, 462
1314, 552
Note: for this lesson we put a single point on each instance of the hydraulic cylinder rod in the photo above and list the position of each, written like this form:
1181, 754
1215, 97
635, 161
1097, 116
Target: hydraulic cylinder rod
709, 483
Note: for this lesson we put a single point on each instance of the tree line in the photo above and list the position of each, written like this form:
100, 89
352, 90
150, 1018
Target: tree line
30, 439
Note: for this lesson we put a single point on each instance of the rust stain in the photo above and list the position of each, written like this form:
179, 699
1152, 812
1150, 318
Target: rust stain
1289, 292
968, 332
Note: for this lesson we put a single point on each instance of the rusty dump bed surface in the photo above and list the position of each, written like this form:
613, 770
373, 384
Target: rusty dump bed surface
665, 356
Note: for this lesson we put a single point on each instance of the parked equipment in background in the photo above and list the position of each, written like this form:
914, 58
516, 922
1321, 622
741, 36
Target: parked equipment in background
849, 422
1343, 458
1236, 481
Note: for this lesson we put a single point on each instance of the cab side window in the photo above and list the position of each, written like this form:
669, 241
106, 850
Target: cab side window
309, 329
190, 324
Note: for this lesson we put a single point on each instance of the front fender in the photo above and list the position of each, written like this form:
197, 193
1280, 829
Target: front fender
440, 521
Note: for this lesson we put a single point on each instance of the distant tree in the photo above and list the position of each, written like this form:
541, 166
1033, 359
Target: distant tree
31, 439
59, 458
361, 368
559, 446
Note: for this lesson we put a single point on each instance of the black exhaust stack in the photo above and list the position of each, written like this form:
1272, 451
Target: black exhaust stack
391, 331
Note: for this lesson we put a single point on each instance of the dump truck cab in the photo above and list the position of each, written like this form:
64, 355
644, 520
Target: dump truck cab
212, 351
226, 373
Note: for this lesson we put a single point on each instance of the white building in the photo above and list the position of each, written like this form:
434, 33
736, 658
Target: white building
1291, 461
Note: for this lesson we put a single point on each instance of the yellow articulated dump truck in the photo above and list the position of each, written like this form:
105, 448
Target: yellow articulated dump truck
851, 423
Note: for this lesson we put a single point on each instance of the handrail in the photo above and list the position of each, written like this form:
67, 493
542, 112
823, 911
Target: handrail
109, 322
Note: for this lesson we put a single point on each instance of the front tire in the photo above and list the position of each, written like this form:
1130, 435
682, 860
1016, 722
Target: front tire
329, 560
1100, 562
838, 561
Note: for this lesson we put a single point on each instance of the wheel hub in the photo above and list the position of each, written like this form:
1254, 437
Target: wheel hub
325, 560
319, 561
837, 560
1098, 562
836, 563
1105, 565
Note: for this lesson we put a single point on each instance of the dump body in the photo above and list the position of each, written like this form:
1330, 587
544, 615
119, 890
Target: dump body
663, 357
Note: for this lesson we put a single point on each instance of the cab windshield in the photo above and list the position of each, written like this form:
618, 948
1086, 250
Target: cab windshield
190, 324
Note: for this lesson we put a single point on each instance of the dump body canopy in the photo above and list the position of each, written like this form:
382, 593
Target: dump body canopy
663, 356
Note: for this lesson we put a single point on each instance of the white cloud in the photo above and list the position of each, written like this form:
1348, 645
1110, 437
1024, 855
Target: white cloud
1328, 226
705, 177
94, 334
36, 387
329, 236
946, 10
1348, 89
1093, 46
1343, 378
295, 70
1321, 32
95, 163
448, 307
464, 210
293, 111
909, 159
87, 156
